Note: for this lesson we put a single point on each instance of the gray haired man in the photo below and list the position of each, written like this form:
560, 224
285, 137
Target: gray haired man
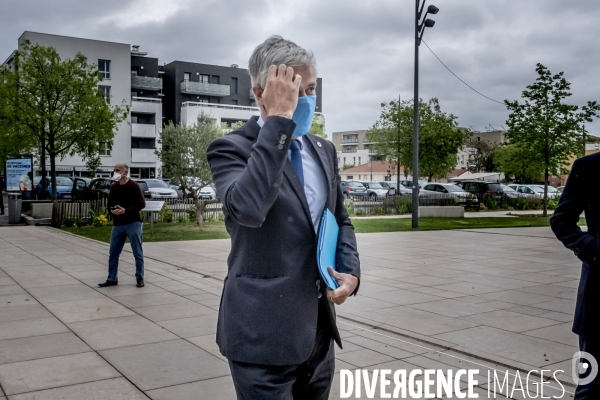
277, 318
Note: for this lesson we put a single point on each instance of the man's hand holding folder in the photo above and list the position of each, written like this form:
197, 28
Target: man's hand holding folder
340, 285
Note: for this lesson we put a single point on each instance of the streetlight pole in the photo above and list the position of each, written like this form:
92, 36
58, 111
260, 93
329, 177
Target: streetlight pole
419, 30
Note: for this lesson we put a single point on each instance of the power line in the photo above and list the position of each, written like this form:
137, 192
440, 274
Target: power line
457, 77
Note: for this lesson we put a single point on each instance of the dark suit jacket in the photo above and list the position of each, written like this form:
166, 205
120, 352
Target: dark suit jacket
269, 306
582, 193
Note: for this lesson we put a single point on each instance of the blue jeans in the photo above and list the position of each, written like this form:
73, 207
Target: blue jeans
118, 235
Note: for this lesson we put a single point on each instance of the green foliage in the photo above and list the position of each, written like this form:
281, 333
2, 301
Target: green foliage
225, 128
402, 207
55, 106
181, 219
515, 161
346, 166
470, 203
192, 212
377, 210
552, 204
439, 138
183, 154
165, 213
527, 203
545, 128
490, 203
317, 127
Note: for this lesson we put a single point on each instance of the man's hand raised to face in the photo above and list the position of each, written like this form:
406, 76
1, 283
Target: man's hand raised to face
280, 96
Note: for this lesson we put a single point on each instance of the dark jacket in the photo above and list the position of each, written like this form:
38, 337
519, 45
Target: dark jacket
582, 193
269, 306
130, 197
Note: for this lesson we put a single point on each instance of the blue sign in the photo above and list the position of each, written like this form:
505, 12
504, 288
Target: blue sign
19, 172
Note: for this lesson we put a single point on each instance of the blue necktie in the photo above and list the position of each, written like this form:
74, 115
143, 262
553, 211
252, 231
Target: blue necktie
296, 159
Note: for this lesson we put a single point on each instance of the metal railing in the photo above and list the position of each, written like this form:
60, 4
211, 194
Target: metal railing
146, 99
205, 89
348, 141
349, 150
146, 82
216, 105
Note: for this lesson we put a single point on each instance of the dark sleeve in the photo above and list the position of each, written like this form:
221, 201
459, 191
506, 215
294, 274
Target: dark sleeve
347, 260
249, 189
111, 202
141, 201
566, 216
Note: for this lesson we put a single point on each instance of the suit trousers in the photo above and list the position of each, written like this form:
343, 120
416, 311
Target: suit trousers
590, 343
310, 380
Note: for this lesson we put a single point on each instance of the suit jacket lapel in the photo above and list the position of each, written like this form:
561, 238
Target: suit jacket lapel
290, 173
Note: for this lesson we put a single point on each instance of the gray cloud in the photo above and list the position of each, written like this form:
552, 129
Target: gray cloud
364, 49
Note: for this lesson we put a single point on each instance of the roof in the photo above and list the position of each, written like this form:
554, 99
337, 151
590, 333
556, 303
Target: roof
476, 176
457, 172
378, 166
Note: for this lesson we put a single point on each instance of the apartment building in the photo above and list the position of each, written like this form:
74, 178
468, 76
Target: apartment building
491, 136
129, 78
352, 147
225, 93
156, 94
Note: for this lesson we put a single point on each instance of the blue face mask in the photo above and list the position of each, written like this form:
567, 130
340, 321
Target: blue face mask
303, 115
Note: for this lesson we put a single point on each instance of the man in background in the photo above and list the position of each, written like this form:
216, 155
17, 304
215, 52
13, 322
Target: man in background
125, 201
580, 195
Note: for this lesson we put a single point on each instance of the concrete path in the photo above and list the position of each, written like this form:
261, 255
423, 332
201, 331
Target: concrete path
491, 299
471, 214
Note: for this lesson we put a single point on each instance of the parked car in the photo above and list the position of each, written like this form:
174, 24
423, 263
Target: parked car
560, 189
483, 190
374, 190
353, 189
144, 188
444, 190
391, 189
208, 192
159, 190
511, 193
86, 189
408, 183
64, 187
536, 191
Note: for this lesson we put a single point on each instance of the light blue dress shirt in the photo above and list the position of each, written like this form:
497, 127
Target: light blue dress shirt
315, 187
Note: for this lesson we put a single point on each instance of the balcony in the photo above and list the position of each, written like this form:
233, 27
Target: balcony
366, 141
349, 151
143, 130
349, 141
146, 83
143, 155
205, 89
146, 105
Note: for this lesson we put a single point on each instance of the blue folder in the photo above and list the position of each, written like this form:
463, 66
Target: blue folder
326, 247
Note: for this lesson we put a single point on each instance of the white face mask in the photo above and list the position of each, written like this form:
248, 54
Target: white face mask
117, 177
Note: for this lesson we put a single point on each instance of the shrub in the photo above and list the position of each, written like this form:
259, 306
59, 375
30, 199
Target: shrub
165, 213
100, 220
192, 213
490, 203
470, 203
552, 204
402, 207
377, 210
519, 203
69, 222
349, 208
181, 219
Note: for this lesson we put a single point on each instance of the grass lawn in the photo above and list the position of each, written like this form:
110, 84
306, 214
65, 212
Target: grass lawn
163, 232
175, 231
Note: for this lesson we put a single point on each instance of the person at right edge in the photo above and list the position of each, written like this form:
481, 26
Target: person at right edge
277, 318
581, 195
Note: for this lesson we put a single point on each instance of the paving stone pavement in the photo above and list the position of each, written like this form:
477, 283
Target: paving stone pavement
471, 299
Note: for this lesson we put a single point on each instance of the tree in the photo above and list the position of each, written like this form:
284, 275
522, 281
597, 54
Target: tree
547, 126
225, 128
183, 155
481, 155
56, 104
515, 162
439, 138
317, 127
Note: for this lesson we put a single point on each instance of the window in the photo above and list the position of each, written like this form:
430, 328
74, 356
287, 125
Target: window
105, 91
187, 76
204, 78
104, 149
134, 94
344, 160
234, 85
354, 160
143, 143
358, 160
350, 177
234, 102
104, 68
134, 119
134, 71
215, 79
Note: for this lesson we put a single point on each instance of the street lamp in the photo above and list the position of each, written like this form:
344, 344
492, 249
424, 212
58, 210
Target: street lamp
419, 30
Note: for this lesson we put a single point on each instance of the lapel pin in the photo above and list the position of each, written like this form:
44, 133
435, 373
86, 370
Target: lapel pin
319, 144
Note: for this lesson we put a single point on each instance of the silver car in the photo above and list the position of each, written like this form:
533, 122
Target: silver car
447, 190
374, 190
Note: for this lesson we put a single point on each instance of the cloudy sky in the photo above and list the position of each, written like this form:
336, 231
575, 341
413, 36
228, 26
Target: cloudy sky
364, 49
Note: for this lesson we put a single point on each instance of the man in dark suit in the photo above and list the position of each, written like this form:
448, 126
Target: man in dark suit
277, 319
581, 194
